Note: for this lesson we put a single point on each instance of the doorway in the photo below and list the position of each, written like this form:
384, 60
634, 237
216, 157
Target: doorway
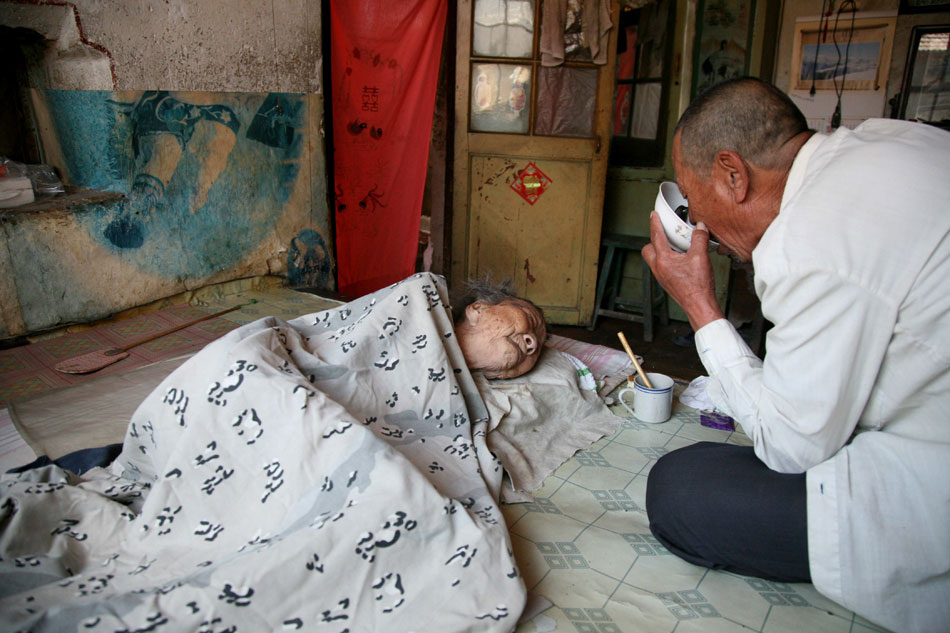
532, 131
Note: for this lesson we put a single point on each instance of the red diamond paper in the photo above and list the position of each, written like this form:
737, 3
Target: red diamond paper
530, 183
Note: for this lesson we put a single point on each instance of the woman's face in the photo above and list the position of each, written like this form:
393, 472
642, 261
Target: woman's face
504, 340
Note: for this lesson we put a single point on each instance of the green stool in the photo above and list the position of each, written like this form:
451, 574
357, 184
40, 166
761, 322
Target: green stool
610, 303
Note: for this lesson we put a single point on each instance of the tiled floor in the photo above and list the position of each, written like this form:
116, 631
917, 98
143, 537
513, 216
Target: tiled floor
585, 545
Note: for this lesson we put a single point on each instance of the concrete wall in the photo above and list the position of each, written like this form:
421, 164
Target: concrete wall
198, 45
206, 116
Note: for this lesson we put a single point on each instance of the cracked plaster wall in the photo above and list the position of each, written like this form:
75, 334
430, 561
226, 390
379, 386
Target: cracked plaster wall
197, 45
230, 45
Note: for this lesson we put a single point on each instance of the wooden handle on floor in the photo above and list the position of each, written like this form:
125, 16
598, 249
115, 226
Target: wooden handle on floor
152, 337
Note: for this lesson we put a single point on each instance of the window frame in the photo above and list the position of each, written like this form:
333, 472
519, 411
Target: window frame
627, 151
917, 32
535, 66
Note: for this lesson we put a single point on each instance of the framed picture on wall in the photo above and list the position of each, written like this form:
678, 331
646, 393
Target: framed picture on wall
854, 56
723, 41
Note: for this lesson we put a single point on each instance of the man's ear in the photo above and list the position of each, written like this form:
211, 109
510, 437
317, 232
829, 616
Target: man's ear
733, 172
473, 311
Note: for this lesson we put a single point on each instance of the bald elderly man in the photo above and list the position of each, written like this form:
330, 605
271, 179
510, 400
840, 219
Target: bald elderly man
847, 484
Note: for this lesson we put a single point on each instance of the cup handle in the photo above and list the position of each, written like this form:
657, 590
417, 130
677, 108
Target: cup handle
620, 398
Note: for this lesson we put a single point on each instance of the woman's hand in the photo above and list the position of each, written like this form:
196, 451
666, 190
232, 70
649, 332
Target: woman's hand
686, 277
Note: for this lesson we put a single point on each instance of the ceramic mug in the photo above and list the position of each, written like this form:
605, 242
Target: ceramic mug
650, 405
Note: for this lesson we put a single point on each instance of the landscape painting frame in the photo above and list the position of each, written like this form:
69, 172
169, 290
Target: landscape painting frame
868, 56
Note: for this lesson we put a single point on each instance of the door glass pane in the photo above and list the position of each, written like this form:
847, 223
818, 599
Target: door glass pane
626, 63
646, 110
623, 100
928, 96
627, 52
651, 38
566, 99
576, 47
571, 43
503, 28
641, 91
501, 95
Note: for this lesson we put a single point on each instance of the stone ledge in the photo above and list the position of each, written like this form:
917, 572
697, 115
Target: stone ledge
72, 200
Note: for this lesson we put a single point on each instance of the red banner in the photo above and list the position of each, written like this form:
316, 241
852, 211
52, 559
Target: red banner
384, 67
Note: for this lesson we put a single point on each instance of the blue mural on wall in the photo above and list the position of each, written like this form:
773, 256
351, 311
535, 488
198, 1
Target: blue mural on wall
308, 261
206, 175
275, 123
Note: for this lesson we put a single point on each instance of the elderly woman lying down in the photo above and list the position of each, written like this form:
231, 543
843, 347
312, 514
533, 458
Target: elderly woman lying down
329, 473
500, 334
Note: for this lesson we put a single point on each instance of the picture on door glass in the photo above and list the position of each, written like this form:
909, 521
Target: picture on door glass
500, 98
503, 28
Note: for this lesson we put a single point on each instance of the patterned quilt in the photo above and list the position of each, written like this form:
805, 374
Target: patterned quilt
329, 473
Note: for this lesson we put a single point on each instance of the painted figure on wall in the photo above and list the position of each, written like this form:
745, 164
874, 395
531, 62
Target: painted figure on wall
210, 178
308, 261
159, 118
163, 127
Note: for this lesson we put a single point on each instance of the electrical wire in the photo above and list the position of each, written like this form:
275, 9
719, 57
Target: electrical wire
836, 116
814, 65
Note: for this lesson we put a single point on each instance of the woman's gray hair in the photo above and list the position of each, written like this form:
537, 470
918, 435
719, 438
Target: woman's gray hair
487, 291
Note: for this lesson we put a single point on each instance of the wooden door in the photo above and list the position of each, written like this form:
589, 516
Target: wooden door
531, 146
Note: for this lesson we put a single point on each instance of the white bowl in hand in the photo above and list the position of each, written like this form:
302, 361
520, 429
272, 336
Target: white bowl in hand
673, 210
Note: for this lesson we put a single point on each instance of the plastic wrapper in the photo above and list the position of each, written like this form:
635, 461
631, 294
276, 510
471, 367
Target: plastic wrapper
715, 420
43, 177
11, 169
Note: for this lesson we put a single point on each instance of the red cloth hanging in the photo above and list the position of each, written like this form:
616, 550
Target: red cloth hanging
384, 66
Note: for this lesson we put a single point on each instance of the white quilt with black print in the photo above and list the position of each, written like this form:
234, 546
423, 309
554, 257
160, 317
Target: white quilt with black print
324, 474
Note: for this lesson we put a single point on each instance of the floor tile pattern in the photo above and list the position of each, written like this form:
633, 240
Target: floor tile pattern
584, 544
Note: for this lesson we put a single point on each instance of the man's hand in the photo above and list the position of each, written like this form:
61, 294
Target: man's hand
687, 277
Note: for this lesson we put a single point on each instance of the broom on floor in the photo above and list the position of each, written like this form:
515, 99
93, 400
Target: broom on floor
94, 361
